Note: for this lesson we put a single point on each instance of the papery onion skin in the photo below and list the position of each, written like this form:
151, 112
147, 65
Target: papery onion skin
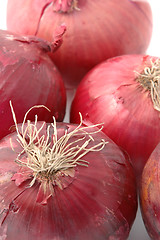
28, 77
97, 31
110, 94
149, 194
98, 202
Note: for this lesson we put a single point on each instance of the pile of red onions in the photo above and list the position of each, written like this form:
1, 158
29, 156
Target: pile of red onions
96, 30
123, 93
149, 194
28, 77
64, 181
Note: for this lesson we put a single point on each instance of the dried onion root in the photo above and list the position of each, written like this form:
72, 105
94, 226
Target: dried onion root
150, 80
46, 159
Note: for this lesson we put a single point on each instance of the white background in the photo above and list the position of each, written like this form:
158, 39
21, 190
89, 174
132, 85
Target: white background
138, 231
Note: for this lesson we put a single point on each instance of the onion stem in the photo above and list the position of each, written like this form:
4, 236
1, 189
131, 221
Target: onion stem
65, 5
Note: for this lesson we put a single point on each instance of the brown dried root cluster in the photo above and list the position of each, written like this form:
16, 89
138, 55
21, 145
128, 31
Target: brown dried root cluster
47, 156
150, 80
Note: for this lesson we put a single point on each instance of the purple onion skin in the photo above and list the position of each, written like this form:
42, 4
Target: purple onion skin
98, 202
28, 77
98, 31
149, 194
110, 94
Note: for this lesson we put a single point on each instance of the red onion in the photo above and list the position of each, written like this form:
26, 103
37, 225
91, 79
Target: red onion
64, 181
149, 194
96, 30
121, 93
28, 77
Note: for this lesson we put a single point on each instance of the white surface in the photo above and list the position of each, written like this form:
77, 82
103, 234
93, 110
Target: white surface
138, 231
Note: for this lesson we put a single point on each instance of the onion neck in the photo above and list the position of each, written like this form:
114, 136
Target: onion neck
42, 44
149, 79
65, 6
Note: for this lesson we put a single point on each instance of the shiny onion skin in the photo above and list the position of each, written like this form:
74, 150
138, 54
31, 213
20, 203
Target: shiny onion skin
111, 94
96, 30
149, 194
28, 77
94, 202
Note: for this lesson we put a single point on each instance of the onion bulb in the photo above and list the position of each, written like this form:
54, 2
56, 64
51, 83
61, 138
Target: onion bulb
28, 77
64, 181
149, 194
96, 30
123, 93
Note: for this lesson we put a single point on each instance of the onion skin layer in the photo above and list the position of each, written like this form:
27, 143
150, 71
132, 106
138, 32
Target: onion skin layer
110, 94
28, 77
98, 31
149, 194
98, 202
